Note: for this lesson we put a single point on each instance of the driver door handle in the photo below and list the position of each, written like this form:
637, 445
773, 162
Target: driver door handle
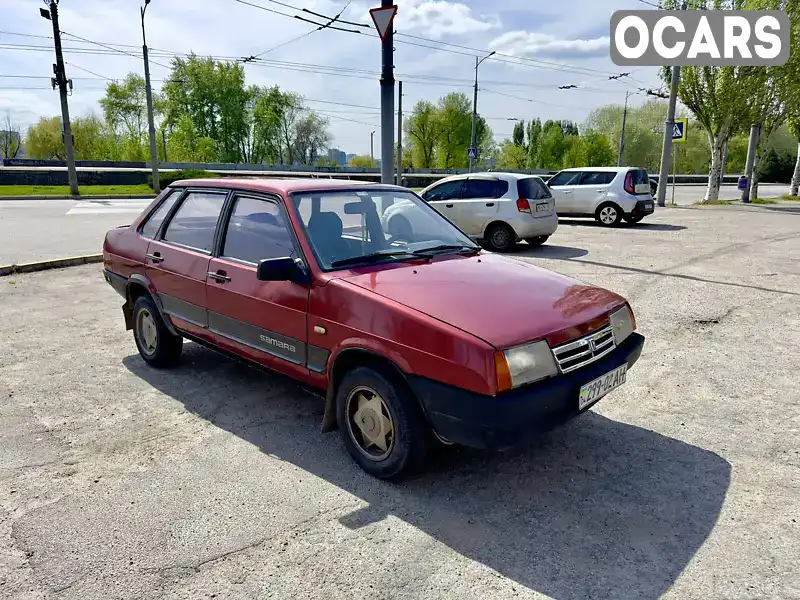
490, 204
155, 257
219, 276
448, 206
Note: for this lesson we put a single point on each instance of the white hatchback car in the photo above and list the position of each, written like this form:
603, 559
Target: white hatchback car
609, 194
501, 208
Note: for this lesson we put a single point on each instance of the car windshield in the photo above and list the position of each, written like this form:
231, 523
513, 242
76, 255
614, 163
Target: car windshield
354, 227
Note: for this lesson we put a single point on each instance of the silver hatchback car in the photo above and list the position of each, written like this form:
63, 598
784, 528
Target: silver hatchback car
500, 208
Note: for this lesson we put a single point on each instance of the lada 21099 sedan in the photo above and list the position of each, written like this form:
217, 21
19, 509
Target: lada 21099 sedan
409, 340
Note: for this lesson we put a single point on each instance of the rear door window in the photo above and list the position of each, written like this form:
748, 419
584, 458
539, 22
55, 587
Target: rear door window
533, 188
195, 222
639, 176
153, 223
597, 178
565, 178
484, 188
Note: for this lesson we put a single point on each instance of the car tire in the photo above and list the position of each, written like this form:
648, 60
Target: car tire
391, 439
608, 214
501, 238
633, 220
157, 345
537, 241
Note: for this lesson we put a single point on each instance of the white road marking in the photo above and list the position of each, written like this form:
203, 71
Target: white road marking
108, 207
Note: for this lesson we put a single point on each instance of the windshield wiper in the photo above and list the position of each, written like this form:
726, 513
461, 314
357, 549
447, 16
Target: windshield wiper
459, 248
374, 257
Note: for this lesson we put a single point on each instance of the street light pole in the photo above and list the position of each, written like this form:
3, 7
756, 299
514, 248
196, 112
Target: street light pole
372, 146
622, 136
150, 121
474, 140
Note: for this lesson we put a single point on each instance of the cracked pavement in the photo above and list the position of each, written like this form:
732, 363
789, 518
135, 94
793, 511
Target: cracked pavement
213, 481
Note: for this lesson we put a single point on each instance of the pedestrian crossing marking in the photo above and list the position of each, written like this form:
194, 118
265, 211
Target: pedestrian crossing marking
109, 207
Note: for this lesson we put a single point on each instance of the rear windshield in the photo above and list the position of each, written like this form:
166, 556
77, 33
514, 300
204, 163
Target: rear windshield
639, 176
532, 188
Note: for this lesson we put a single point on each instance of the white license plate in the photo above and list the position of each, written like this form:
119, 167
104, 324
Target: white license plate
648, 205
594, 390
543, 207
642, 188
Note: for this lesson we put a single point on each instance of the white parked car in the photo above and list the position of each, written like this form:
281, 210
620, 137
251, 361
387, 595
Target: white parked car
609, 194
500, 208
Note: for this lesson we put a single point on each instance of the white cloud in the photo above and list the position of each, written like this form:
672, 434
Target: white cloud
439, 18
526, 43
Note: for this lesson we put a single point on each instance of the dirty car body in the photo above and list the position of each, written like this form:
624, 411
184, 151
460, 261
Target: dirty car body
404, 337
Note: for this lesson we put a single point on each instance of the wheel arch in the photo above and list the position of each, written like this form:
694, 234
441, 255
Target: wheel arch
496, 222
140, 285
348, 359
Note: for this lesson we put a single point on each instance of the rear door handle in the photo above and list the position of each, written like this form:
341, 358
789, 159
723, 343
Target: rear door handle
567, 191
490, 204
219, 276
601, 189
448, 206
155, 257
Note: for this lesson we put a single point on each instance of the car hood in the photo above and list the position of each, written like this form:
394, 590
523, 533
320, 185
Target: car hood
501, 300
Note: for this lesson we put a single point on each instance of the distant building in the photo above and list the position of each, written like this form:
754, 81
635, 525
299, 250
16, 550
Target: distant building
337, 156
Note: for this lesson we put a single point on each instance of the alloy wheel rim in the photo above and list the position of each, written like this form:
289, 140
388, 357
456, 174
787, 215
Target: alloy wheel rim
500, 237
147, 330
608, 215
370, 423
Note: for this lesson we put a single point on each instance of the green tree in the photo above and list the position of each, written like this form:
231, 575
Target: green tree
454, 113
363, 161
518, 136
422, 130
43, 140
574, 152
794, 127
93, 141
10, 138
125, 110
511, 156
534, 138
598, 151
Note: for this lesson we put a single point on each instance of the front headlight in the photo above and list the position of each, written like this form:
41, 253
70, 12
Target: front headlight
622, 323
524, 364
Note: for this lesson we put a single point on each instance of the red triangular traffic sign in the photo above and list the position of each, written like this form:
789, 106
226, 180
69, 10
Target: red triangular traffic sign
383, 17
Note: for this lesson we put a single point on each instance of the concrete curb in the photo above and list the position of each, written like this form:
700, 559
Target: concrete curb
57, 263
108, 197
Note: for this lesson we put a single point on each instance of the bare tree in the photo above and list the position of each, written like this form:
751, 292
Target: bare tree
10, 138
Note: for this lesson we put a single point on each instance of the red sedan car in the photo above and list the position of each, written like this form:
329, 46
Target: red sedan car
408, 339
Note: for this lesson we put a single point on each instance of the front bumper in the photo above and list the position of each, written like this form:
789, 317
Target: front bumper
505, 420
643, 208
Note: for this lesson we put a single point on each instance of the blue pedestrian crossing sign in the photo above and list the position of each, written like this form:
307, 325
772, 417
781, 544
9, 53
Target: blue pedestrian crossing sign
472, 152
680, 128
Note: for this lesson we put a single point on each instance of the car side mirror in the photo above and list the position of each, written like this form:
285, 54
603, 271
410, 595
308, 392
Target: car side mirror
277, 269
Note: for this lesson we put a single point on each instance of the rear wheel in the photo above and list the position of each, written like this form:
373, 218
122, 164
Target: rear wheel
608, 214
501, 237
157, 345
382, 425
537, 241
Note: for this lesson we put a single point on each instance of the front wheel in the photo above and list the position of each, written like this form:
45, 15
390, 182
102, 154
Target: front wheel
501, 238
608, 214
382, 425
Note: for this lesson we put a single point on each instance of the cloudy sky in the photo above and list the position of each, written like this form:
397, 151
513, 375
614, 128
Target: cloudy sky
540, 45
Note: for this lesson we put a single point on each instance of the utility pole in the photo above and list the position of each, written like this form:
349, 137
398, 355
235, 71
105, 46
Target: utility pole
666, 149
622, 137
164, 144
387, 100
474, 138
372, 146
149, 93
399, 132
62, 82
755, 132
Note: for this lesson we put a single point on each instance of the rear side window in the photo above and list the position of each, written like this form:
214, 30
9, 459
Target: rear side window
195, 221
565, 178
597, 178
257, 230
533, 188
639, 176
484, 188
153, 224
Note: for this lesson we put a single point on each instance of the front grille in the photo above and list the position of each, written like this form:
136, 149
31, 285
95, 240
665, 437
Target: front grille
585, 350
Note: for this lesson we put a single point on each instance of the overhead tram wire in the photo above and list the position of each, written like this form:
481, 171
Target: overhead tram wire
72, 35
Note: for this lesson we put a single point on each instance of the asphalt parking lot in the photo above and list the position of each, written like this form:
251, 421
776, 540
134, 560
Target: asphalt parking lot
213, 481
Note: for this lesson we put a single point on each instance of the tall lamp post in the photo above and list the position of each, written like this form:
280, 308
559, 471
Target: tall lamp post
149, 92
474, 143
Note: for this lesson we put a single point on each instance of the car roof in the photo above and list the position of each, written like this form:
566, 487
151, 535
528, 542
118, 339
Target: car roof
281, 186
486, 175
601, 169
